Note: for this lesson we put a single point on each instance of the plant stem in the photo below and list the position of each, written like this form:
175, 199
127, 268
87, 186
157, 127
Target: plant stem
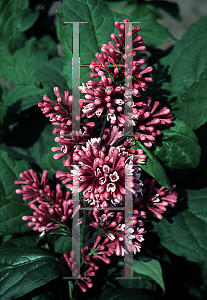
119, 140
93, 238
70, 284
104, 125
83, 225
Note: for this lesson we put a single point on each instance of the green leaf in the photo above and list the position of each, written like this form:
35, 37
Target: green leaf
3, 105
34, 144
38, 71
7, 64
151, 269
123, 294
12, 207
186, 236
185, 82
26, 240
168, 7
63, 244
24, 269
33, 151
92, 35
153, 33
17, 99
50, 75
196, 178
180, 148
54, 290
20, 68
10, 35
51, 164
198, 27
25, 19
153, 167
27, 61
42, 146
32, 147
47, 43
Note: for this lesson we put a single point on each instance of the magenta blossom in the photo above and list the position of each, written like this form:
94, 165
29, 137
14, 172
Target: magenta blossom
111, 223
60, 114
154, 199
102, 247
147, 121
110, 92
84, 281
100, 173
54, 209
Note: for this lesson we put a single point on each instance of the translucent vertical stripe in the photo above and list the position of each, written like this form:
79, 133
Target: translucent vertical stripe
76, 225
76, 75
128, 130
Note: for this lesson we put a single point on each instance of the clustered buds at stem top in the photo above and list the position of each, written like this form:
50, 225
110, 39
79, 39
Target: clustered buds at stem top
104, 168
55, 208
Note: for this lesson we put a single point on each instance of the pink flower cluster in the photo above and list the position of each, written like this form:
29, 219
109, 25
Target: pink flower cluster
101, 249
55, 208
106, 167
113, 226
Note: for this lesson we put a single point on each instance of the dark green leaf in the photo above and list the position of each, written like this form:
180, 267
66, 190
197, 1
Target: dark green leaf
153, 33
168, 7
92, 35
17, 99
11, 34
123, 294
7, 64
153, 167
151, 269
51, 75
24, 269
26, 240
3, 105
27, 61
42, 146
180, 148
54, 290
5, 238
47, 43
20, 68
51, 164
193, 30
142, 282
195, 178
12, 207
25, 19
186, 236
187, 71
32, 143
63, 244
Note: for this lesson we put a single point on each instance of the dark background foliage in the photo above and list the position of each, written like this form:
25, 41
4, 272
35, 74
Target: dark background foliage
35, 56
